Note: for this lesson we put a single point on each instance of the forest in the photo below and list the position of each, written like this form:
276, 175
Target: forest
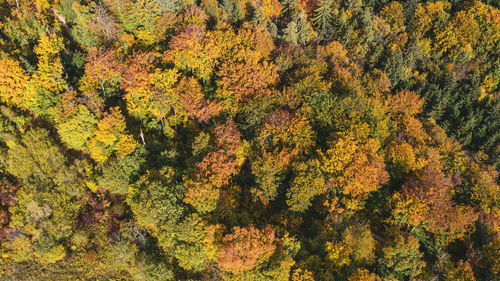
250, 140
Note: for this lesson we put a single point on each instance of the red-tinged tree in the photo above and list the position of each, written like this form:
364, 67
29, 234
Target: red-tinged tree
309, 6
426, 199
281, 139
241, 82
191, 96
7, 199
405, 102
252, 45
217, 168
103, 72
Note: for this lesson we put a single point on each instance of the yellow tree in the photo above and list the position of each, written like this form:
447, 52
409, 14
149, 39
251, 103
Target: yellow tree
308, 183
47, 82
13, 81
74, 122
191, 51
111, 137
459, 37
354, 169
150, 92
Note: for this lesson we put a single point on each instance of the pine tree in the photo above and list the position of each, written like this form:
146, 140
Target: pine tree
323, 16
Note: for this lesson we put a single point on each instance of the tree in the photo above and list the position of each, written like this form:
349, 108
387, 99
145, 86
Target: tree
357, 246
354, 169
192, 51
363, 274
193, 100
392, 13
323, 16
297, 135
302, 275
155, 200
427, 196
13, 79
75, 123
47, 82
241, 82
269, 170
34, 155
196, 248
216, 168
245, 248
150, 92
308, 183
110, 137
402, 258
102, 73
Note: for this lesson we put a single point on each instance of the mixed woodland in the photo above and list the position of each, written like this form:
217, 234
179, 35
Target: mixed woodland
249, 140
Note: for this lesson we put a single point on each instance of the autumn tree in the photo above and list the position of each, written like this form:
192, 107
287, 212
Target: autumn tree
102, 73
111, 137
46, 84
354, 169
308, 183
241, 82
402, 258
195, 103
13, 79
75, 123
427, 196
216, 168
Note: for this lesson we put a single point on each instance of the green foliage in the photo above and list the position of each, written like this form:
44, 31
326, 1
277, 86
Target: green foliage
402, 258
249, 140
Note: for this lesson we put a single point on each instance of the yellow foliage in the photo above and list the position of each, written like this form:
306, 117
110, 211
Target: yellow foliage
49, 68
125, 145
110, 137
338, 255
392, 13
363, 274
428, 13
302, 275
459, 36
355, 169
402, 155
55, 254
13, 79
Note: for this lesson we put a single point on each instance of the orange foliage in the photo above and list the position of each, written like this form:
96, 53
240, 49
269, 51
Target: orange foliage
101, 67
216, 168
191, 96
355, 169
241, 82
363, 274
191, 50
428, 195
281, 128
244, 248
